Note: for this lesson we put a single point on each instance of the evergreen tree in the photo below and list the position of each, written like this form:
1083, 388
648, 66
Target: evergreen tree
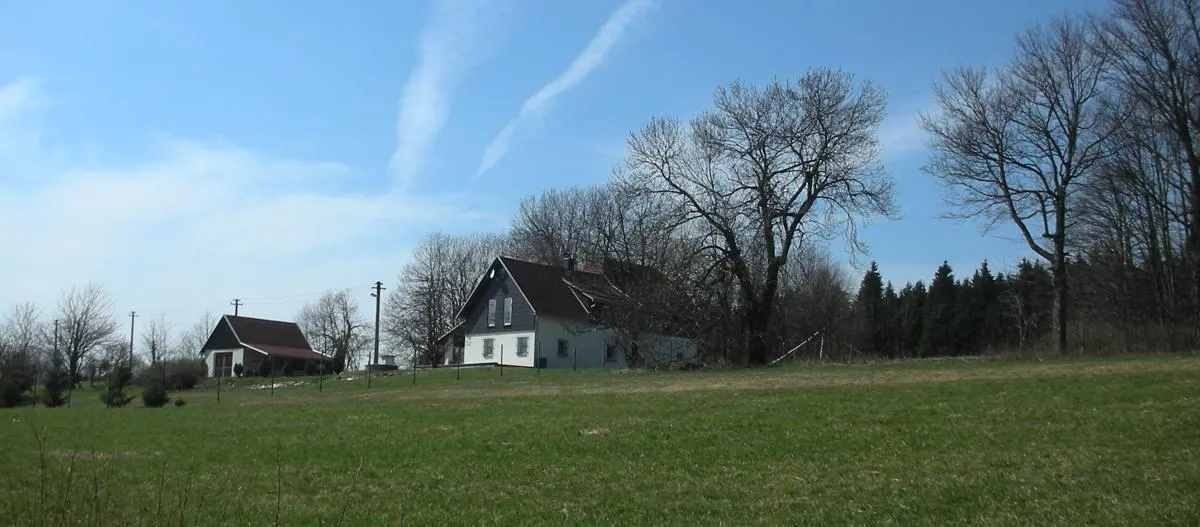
912, 317
939, 337
891, 321
58, 380
118, 378
869, 312
986, 297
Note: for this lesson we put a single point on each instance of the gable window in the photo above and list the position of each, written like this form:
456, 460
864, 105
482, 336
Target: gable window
489, 348
522, 346
563, 345
508, 311
491, 313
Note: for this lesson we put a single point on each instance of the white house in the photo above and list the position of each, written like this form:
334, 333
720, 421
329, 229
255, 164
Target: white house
533, 315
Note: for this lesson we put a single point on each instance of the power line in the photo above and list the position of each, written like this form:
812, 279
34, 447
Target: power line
236, 304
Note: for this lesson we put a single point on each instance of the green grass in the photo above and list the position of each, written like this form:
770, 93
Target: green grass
926, 443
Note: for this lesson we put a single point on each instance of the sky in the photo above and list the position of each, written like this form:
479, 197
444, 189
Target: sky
183, 154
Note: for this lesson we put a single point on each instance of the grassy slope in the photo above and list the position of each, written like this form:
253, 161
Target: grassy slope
1098, 442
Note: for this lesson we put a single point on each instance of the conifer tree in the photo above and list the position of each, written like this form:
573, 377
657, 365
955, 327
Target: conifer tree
869, 312
912, 317
940, 331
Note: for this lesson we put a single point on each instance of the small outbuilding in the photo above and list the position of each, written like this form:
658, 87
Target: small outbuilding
262, 347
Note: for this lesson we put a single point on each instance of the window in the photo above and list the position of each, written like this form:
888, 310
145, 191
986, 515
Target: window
492, 313
508, 311
610, 353
562, 347
489, 348
522, 346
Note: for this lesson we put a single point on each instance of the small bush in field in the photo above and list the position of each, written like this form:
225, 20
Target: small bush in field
155, 395
238, 369
180, 402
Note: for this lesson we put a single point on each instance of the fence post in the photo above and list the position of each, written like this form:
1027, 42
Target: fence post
574, 354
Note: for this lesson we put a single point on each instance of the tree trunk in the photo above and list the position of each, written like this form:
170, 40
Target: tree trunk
1060, 300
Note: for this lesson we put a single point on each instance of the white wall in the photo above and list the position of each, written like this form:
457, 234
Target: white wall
473, 348
210, 360
586, 344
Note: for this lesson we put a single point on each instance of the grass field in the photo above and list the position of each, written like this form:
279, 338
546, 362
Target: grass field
927, 443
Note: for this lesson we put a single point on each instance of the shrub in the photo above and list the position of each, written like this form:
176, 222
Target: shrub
180, 374
155, 395
264, 368
114, 389
58, 381
10, 393
238, 369
180, 402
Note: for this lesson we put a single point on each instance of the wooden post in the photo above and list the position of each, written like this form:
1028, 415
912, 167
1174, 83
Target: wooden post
821, 350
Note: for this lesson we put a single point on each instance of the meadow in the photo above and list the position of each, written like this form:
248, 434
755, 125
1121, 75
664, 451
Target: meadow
1066, 442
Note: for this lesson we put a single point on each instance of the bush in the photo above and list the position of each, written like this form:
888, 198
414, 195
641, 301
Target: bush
264, 368
114, 390
10, 393
178, 374
180, 402
238, 369
58, 381
155, 395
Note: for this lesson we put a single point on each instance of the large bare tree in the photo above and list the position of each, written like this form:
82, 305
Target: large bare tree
86, 324
433, 286
1018, 143
762, 171
334, 323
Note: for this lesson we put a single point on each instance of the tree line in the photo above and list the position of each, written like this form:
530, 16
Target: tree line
1083, 139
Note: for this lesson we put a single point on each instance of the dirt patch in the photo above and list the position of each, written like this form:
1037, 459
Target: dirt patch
82, 455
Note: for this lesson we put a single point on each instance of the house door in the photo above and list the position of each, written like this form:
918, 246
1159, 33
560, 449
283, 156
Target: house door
223, 364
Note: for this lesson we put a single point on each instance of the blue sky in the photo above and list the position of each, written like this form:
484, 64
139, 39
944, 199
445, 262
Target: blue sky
186, 153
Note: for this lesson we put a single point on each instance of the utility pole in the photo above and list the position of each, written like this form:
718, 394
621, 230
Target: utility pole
132, 315
237, 302
378, 294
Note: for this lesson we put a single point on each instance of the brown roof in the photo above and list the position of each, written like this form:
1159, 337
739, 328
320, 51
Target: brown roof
544, 287
262, 333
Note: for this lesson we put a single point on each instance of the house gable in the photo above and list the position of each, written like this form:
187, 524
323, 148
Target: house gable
497, 284
222, 337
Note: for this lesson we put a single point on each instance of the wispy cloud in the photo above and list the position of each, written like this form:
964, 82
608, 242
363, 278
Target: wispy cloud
446, 49
589, 59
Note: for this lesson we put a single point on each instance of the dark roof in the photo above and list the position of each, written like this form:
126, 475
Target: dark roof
261, 333
544, 287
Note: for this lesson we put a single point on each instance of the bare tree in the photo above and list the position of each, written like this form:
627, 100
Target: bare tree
24, 331
434, 285
1155, 50
334, 323
157, 340
551, 224
1018, 144
192, 340
86, 323
764, 171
